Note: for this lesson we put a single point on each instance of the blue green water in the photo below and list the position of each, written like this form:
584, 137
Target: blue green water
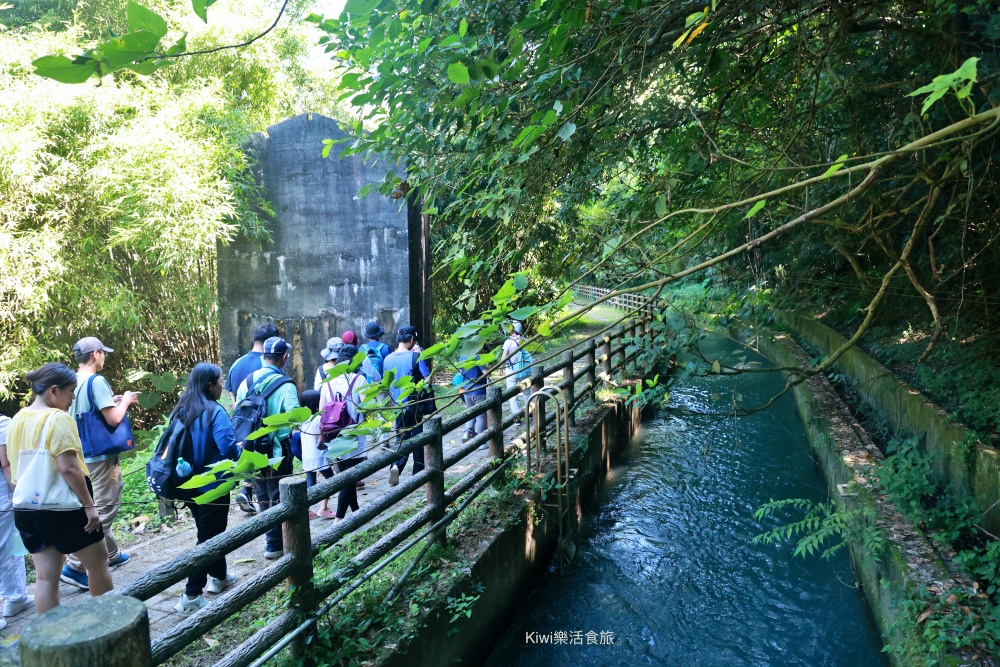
666, 564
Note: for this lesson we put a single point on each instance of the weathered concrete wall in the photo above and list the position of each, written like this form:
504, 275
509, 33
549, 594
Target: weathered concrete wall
961, 460
336, 261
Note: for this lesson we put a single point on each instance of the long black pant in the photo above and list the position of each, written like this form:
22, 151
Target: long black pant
348, 496
211, 520
266, 490
406, 425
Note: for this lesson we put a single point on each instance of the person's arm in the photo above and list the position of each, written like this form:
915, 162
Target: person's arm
69, 468
5, 464
289, 396
222, 431
104, 399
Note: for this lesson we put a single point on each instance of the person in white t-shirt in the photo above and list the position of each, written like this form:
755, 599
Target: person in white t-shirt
13, 580
314, 459
508, 354
348, 388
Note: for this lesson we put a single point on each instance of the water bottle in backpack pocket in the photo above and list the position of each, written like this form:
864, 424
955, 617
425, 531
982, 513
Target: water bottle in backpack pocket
170, 465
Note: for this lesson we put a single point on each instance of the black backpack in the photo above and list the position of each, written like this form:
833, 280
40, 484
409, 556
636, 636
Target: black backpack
161, 470
250, 412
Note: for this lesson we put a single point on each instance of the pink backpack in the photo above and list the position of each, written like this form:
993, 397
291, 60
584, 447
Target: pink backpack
336, 417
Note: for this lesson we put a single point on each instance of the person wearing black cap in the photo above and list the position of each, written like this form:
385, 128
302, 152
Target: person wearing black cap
404, 362
283, 399
374, 333
105, 471
252, 360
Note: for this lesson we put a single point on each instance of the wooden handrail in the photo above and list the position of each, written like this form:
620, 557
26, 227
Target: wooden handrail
296, 565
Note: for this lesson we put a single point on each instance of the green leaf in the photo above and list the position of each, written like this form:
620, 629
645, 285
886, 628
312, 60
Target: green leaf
523, 313
361, 6
327, 147
520, 282
424, 45
432, 350
716, 367
199, 481
148, 399
180, 46
264, 430
661, 205
545, 328
295, 416
835, 167
200, 8
458, 73
140, 18
216, 493
756, 209
64, 70
463, 27
129, 48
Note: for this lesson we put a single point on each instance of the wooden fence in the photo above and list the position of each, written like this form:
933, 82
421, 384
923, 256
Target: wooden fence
601, 358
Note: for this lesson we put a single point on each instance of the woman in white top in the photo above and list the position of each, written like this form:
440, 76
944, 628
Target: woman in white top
314, 459
329, 354
347, 388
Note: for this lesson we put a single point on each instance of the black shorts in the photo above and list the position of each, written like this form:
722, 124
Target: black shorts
62, 529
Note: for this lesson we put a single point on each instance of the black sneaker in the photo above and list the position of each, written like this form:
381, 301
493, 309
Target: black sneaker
245, 504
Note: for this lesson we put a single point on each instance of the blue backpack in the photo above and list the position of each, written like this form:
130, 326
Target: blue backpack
373, 367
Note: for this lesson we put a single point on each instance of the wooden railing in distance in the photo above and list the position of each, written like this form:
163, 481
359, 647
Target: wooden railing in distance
601, 358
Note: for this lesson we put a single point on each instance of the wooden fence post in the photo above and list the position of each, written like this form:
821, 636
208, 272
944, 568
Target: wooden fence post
298, 542
568, 381
111, 631
434, 463
606, 351
494, 420
591, 375
570, 389
537, 382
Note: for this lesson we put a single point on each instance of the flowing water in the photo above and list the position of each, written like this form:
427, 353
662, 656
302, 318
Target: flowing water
666, 573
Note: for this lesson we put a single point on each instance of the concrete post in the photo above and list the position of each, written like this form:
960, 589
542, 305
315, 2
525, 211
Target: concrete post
111, 631
298, 542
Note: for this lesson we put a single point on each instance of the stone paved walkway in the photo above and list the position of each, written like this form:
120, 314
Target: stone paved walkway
248, 559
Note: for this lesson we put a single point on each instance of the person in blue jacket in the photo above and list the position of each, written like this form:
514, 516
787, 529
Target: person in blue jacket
200, 412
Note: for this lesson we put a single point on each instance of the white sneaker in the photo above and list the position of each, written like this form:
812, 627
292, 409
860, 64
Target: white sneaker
186, 605
14, 606
216, 585
393, 476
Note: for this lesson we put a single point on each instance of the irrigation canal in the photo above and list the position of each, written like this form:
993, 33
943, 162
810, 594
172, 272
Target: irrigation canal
666, 563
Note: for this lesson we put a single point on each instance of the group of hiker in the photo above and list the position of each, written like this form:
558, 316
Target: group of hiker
62, 481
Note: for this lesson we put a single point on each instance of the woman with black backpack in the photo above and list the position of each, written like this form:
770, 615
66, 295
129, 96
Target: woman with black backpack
212, 441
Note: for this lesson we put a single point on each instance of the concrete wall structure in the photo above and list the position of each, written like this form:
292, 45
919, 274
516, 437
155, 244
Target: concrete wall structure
336, 261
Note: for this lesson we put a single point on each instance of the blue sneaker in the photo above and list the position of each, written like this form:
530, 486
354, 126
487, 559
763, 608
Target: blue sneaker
121, 560
74, 578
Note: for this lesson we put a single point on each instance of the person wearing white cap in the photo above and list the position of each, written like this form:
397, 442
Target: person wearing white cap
105, 471
329, 354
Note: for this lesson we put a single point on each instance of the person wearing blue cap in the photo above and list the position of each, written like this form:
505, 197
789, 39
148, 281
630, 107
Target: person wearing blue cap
283, 399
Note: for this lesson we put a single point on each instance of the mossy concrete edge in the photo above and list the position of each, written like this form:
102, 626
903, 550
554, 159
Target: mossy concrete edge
847, 457
961, 460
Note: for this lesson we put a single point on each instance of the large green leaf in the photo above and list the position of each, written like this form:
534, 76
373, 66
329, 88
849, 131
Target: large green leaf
199, 481
215, 493
63, 69
361, 6
200, 8
458, 73
121, 51
140, 18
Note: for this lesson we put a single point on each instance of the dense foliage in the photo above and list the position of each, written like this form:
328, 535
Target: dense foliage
114, 196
